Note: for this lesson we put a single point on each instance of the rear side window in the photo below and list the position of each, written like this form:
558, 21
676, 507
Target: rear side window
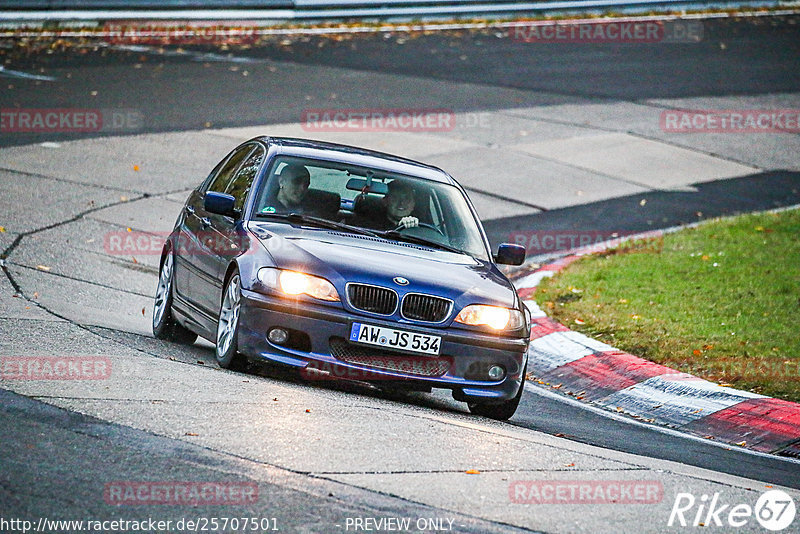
225, 174
243, 180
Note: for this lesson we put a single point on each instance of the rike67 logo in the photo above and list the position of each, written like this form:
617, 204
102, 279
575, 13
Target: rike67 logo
774, 510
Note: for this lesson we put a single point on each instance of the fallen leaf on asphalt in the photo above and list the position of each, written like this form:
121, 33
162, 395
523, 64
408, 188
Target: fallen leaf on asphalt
2, 229
173, 358
472, 472
123, 199
43, 267
741, 443
570, 465
200, 362
36, 294
142, 311
129, 228
275, 399
643, 202
308, 411
619, 409
134, 260
191, 434
136, 168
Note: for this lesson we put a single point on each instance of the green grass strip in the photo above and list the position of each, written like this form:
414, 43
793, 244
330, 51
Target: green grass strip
720, 301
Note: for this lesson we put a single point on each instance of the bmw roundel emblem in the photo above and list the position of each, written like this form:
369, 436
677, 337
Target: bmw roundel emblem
399, 280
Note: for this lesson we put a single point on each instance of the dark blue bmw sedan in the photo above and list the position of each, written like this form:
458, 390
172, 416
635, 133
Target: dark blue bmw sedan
348, 263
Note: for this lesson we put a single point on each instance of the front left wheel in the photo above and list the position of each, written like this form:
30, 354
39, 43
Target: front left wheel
501, 411
164, 325
227, 351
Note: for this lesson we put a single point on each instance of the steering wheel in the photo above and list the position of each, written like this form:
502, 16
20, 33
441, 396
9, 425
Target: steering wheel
420, 225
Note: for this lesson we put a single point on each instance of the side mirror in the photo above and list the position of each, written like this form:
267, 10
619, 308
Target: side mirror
219, 203
509, 254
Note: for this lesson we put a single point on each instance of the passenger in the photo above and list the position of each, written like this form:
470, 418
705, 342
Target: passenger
293, 183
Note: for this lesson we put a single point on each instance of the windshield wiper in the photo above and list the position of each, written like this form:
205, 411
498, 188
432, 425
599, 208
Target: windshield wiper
397, 236
319, 222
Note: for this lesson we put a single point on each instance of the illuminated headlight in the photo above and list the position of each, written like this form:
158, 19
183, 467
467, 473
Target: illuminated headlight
495, 317
295, 283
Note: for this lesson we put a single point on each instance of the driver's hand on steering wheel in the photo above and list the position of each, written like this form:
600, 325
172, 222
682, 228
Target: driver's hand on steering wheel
408, 221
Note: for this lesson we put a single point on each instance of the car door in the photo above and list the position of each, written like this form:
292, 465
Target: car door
197, 266
231, 234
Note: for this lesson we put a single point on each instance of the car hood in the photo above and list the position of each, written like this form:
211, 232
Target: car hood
343, 257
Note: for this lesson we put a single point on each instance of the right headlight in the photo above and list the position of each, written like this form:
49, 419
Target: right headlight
295, 283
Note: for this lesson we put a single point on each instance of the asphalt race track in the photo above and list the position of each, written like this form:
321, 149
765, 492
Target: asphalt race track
546, 137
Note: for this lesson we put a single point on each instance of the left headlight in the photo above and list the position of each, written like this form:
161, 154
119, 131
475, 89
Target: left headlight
495, 317
296, 283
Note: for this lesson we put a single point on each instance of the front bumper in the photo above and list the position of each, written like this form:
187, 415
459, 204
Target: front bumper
465, 355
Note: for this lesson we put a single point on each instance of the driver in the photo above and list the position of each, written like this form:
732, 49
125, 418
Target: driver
399, 202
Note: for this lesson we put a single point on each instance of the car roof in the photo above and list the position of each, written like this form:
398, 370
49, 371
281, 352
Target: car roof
310, 148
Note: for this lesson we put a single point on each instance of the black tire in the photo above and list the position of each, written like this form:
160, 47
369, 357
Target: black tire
501, 411
227, 348
164, 325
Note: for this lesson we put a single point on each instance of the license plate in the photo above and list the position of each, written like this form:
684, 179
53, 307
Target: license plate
395, 339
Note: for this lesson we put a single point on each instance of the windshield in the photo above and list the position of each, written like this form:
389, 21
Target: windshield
392, 205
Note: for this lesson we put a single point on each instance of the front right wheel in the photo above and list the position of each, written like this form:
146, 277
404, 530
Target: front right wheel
227, 351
